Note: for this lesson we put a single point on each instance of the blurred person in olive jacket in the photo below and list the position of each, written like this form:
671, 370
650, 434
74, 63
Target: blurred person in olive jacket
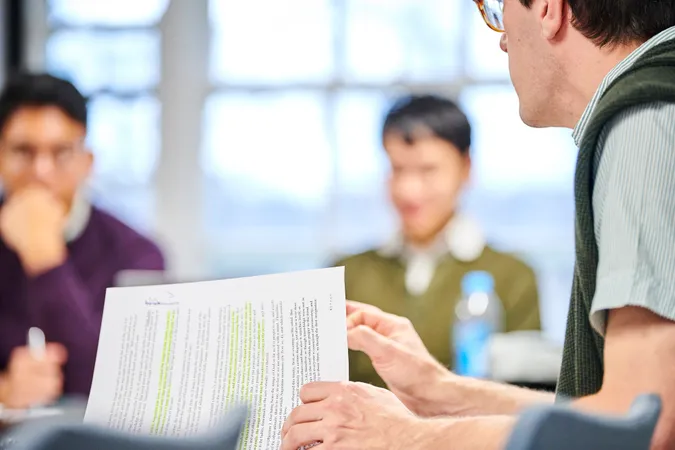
418, 273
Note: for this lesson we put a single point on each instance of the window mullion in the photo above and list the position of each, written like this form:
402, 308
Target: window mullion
178, 187
36, 32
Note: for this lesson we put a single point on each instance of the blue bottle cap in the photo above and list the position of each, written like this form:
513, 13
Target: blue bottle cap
477, 281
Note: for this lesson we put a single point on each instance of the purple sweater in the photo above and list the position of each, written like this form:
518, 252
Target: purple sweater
67, 301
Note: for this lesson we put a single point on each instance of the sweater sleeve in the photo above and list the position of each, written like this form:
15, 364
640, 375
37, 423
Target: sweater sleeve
65, 307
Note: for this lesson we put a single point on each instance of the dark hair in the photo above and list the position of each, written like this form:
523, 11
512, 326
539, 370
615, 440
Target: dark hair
416, 117
26, 89
617, 22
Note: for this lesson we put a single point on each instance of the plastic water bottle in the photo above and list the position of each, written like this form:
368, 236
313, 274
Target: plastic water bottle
478, 315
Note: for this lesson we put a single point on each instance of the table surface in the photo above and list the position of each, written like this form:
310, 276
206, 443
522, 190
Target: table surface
71, 411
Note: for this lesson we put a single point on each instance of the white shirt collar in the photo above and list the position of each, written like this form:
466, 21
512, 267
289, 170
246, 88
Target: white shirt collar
78, 218
462, 238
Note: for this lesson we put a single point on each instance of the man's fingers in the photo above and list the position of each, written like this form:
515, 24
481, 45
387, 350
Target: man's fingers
380, 321
358, 318
353, 307
19, 353
53, 389
304, 434
317, 391
366, 340
56, 353
310, 412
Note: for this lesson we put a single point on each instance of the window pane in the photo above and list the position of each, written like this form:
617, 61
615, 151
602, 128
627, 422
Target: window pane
403, 39
271, 41
107, 13
268, 167
273, 145
485, 59
125, 138
361, 160
522, 192
94, 60
362, 215
509, 155
134, 205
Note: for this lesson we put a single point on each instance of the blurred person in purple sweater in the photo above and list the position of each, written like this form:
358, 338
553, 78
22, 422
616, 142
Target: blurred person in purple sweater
58, 253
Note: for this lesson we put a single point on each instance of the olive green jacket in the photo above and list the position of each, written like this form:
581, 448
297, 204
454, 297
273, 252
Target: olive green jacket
379, 280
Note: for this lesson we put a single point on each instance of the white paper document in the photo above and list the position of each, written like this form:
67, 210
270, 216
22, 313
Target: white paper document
172, 359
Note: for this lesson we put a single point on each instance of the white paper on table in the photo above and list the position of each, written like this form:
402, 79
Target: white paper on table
172, 359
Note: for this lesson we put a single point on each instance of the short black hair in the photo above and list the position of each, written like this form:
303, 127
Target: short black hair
619, 22
38, 90
417, 116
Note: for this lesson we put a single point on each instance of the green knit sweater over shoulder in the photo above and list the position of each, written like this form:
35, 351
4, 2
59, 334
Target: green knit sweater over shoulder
650, 79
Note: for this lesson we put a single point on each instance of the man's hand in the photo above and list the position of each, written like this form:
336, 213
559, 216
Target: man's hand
398, 355
32, 223
29, 381
350, 416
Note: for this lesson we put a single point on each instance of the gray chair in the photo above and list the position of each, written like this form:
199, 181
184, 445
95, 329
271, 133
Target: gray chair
563, 428
69, 435
550, 428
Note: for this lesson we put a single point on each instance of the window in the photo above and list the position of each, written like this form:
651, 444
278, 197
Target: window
268, 158
121, 13
124, 135
522, 192
292, 146
287, 152
268, 41
111, 52
360, 213
97, 60
272, 145
509, 155
361, 162
485, 60
401, 40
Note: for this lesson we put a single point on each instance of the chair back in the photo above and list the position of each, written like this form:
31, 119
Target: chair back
60, 435
563, 428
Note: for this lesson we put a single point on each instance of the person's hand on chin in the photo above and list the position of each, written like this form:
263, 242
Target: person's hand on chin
350, 416
32, 223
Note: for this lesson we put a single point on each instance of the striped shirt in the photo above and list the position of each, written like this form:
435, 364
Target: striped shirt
634, 202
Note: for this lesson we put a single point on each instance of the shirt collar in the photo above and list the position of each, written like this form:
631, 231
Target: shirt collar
78, 218
462, 238
618, 70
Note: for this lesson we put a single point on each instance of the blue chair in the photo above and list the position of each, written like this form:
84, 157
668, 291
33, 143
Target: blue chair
564, 428
69, 435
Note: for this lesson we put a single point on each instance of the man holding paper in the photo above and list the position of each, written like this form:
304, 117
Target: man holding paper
606, 68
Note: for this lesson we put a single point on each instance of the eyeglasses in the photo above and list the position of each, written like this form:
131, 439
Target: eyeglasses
493, 13
22, 156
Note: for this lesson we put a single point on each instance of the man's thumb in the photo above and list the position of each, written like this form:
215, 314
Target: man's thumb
366, 340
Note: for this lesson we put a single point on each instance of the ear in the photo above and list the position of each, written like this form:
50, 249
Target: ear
87, 163
552, 15
466, 173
